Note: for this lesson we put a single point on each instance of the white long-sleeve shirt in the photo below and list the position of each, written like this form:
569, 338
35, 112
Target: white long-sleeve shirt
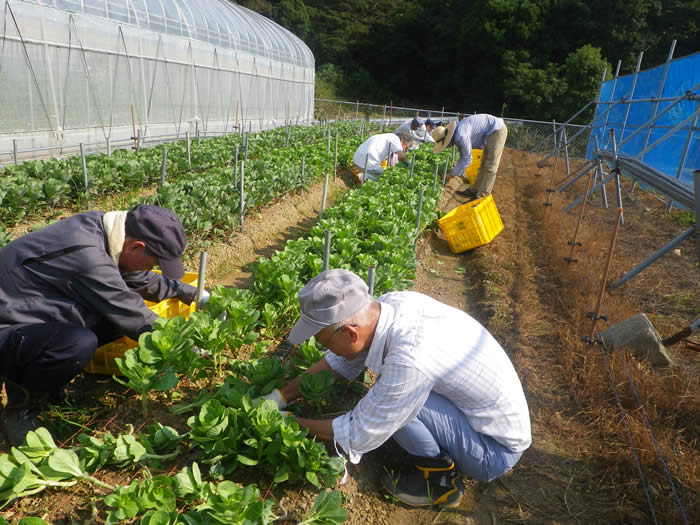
376, 149
421, 345
472, 132
419, 135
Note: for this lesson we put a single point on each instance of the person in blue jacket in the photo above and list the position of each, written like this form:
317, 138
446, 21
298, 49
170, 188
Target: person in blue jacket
75, 285
480, 131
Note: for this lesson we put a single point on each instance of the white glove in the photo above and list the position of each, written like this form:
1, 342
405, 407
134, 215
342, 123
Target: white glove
277, 397
203, 353
204, 299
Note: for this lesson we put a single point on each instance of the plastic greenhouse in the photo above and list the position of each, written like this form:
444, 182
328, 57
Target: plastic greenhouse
89, 71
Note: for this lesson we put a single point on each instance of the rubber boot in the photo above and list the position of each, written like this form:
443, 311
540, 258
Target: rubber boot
20, 414
430, 481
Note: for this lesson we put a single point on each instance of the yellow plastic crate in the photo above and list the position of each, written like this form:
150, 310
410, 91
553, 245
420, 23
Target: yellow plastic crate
103, 360
473, 169
470, 225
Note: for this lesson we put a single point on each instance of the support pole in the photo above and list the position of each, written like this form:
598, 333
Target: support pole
654, 257
550, 191
335, 156
435, 175
189, 156
200, 279
83, 163
418, 210
164, 165
599, 166
326, 249
133, 127
15, 155
242, 192
370, 279
235, 165
595, 315
573, 242
444, 174
566, 151
413, 163
303, 168
616, 171
323, 198
109, 147
696, 176
364, 177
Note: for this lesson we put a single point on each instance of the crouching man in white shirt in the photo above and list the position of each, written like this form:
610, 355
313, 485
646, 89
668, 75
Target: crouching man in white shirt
446, 390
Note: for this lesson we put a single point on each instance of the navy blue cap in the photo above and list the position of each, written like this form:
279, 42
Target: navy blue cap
162, 233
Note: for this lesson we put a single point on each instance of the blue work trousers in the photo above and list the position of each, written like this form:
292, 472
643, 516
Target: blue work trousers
440, 425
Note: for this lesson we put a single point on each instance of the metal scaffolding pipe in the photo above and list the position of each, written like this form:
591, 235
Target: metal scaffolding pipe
653, 258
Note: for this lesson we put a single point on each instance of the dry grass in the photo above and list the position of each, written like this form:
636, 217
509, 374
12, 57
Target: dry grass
664, 402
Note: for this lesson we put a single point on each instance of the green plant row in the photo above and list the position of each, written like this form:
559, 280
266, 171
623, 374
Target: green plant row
38, 185
182, 499
374, 225
271, 173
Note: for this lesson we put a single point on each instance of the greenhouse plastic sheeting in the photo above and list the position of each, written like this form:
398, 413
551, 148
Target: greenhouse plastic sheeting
84, 70
682, 76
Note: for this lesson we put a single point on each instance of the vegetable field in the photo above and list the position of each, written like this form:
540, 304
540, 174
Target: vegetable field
182, 443
219, 428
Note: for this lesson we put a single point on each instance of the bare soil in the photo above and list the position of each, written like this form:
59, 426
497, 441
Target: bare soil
580, 468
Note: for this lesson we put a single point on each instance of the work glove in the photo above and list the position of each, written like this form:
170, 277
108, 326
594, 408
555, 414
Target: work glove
406, 163
203, 300
201, 351
275, 396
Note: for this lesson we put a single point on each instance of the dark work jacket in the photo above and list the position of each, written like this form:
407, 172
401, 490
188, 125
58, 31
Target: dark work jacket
64, 273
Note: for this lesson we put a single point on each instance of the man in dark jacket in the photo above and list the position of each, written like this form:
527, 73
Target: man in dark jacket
72, 286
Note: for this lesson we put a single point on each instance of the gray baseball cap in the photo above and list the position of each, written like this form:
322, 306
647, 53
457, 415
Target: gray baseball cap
330, 297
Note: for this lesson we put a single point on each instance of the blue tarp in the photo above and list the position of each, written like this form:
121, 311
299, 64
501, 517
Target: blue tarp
683, 75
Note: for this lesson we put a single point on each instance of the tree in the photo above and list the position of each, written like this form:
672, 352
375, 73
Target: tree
292, 14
